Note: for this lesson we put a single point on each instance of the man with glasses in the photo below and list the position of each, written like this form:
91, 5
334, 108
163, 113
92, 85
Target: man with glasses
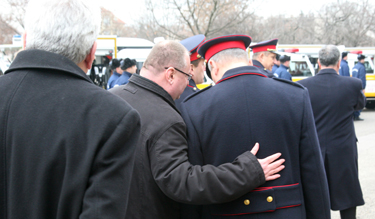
197, 66
162, 174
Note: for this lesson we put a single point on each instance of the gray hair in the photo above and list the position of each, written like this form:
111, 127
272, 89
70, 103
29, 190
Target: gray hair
167, 53
257, 54
229, 55
329, 55
66, 27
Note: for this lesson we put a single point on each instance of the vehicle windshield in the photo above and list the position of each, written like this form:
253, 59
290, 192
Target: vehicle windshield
369, 69
299, 68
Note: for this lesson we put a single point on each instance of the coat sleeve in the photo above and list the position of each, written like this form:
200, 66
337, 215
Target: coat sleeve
193, 184
361, 99
108, 186
313, 176
362, 74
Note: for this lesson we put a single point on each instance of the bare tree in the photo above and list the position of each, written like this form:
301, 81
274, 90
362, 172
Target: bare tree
182, 18
348, 23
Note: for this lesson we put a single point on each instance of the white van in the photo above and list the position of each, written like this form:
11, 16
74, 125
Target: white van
300, 66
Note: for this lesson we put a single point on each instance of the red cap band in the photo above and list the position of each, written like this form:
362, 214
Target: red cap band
264, 48
194, 56
223, 46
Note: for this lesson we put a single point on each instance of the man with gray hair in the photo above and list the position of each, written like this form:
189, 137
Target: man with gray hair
163, 175
243, 108
63, 154
334, 99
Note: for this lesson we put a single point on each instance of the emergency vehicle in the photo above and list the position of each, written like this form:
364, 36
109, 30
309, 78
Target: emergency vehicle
370, 76
300, 66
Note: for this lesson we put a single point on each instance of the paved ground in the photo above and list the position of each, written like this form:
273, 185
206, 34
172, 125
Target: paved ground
365, 131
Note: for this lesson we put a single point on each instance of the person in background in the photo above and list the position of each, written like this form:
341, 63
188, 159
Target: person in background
359, 71
163, 175
276, 64
129, 66
63, 154
344, 68
282, 71
334, 99
240, 109
264, 55
114, 66
197, 66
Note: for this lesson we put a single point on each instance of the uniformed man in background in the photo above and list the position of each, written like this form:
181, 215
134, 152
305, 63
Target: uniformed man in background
276, 63
197, 66
344, 68
264, 56
282, 72
359, 71
239, 110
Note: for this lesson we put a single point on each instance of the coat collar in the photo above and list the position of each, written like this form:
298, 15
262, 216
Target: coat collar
125, 73
327, 71
192, 83
39, 59
256, 63
244, 70
284, 67
153, 88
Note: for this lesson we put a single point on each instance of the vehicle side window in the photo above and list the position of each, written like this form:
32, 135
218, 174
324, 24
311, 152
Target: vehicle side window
299, 68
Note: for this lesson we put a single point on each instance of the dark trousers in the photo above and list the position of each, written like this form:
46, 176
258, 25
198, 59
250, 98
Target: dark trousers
348, 213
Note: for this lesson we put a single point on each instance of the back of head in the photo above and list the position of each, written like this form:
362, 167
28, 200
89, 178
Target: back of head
329, 55
65, 27
230, 56
127, 63
167, 53
284, 58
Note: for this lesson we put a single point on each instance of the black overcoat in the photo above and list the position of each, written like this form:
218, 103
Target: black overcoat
190, 89
334, 98
67, 146
162, 174
246, 107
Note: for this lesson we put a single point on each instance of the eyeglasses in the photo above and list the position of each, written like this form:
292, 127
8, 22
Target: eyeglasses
189, 75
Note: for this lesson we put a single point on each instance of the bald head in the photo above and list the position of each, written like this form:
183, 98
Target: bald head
166, 53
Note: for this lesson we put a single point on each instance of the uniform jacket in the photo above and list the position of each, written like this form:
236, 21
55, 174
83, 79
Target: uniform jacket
190, 89
283, 73
163, 176
67, 144
262, 69
274, 67
123, 79
112, 79
334, 99
359, 71
243, 108
344, 68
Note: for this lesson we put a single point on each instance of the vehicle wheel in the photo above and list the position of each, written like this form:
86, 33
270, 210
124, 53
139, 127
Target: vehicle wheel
370, 104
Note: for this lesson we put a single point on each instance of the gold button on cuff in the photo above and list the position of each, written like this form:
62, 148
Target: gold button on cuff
246, 202
269, 199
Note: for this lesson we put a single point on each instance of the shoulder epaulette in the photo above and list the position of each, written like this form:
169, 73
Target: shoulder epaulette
196, 93
290, 82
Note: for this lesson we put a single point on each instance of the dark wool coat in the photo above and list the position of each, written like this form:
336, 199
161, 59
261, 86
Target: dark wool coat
190, 89
244, 108
334, 99
162, 174
67, 146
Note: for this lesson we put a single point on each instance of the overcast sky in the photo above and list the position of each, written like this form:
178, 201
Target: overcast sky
130, 10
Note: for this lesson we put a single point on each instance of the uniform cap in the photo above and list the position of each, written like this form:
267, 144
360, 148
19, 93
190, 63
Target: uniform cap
218, 44
115, 63
360, 57
192, 44
344, 54
284, 58
127, 63
265, 46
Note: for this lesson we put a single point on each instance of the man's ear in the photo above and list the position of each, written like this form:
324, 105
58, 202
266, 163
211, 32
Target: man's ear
250, 62
320, 66
192, 69
91, 56
169, 76
24, 41
214, 68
